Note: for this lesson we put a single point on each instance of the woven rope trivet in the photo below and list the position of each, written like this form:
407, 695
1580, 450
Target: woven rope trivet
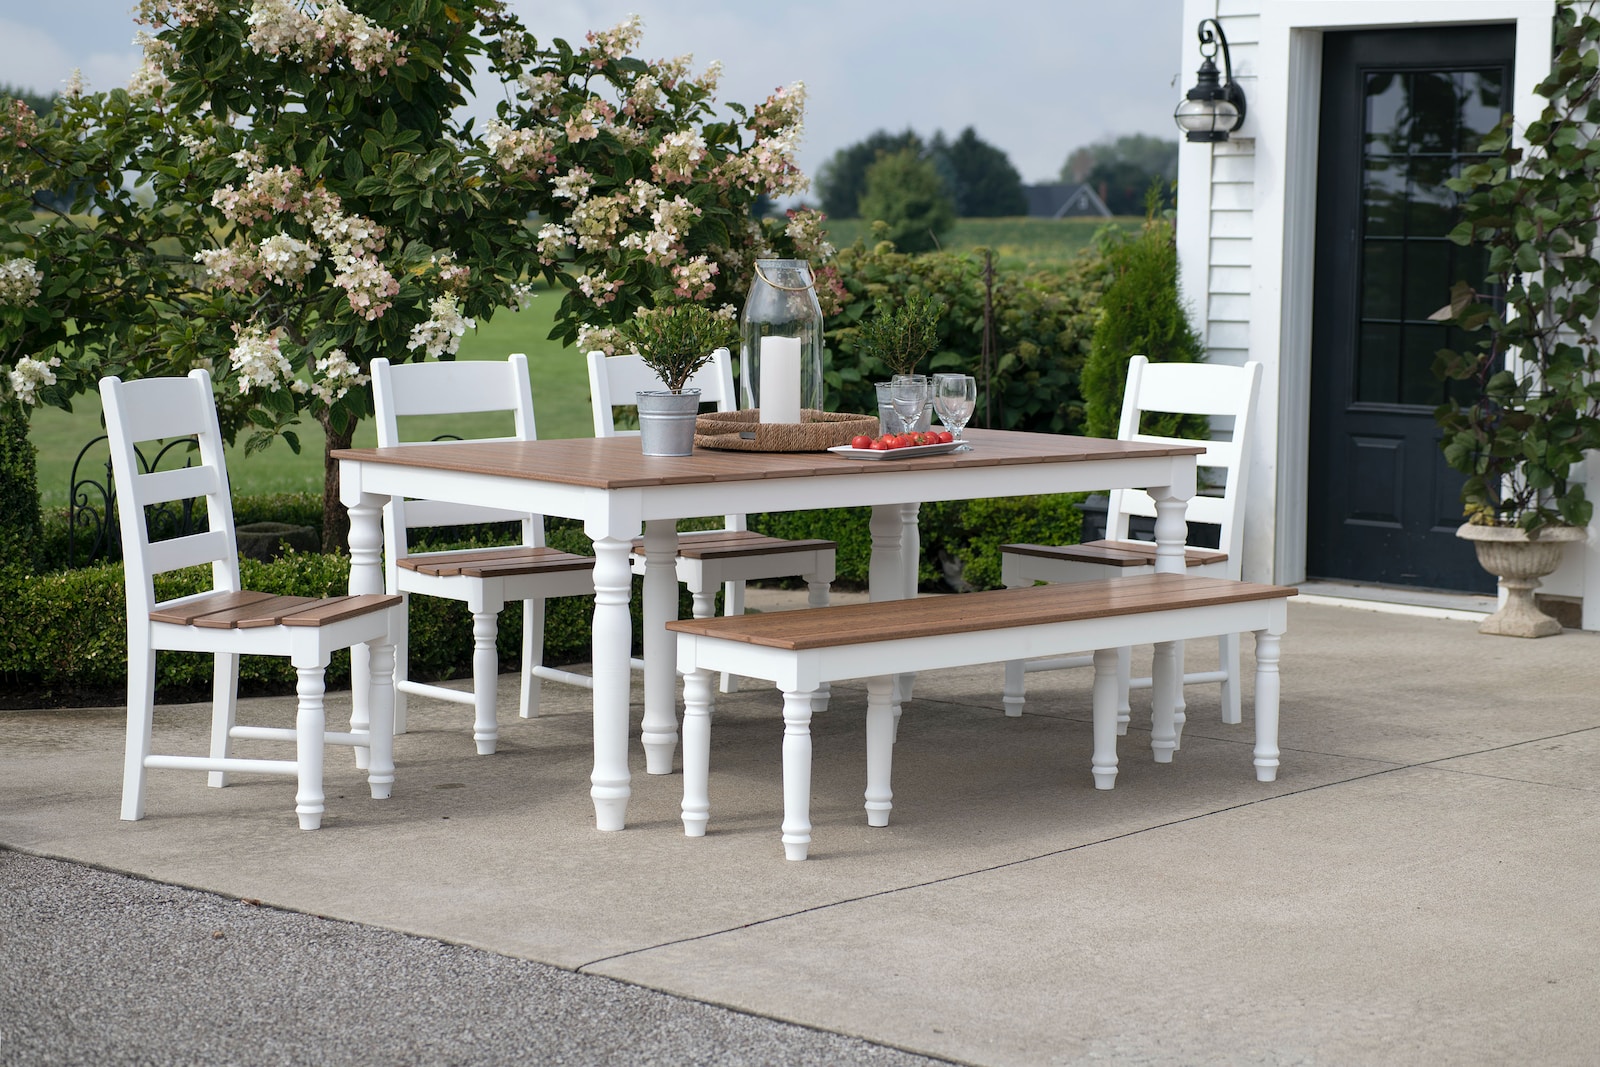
816, 431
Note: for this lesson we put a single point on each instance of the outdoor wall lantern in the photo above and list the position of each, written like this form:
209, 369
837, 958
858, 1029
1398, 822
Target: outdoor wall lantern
1213, 108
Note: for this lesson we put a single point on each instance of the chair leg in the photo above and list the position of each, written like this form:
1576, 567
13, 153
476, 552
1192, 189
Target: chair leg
1165, 682
532, 656
224, 709
141, 712
1232, 702
1124, 683
1013, 696
402, 660
485, 679
310, 722
732, 604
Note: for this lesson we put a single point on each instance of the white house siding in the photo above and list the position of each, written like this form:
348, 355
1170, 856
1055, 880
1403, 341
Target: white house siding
1246, 234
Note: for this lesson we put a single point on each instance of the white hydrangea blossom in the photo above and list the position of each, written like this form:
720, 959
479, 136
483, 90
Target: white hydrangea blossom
285, 259
598, 339
337, 374
30, 376
259, 361
442, 332
19, 282
522, 296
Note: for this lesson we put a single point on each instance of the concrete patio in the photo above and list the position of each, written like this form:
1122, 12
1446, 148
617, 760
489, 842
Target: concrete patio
1421, 885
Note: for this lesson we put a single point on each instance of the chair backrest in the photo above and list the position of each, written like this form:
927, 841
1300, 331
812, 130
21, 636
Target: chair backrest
613, 381
463, 387
151, 409
1214, 390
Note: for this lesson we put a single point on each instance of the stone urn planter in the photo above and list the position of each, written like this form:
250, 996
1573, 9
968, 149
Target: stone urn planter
1519, 563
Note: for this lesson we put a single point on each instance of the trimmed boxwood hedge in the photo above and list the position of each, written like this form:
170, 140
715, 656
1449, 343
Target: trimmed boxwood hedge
63, 633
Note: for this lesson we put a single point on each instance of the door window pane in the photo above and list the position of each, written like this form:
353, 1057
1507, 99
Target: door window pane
1383, 263
1386, 99
1482, 95
1383, 200
1378, 364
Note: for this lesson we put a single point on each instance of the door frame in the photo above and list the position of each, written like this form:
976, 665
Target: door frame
1287, 128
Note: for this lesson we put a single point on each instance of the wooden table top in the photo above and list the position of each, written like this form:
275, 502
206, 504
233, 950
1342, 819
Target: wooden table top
617, 463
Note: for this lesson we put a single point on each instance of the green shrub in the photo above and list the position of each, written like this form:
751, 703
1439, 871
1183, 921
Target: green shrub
1043, 320
19, 486
1139, 314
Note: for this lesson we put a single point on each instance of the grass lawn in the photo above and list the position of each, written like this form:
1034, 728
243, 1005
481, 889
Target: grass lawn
1016, 242
560, 393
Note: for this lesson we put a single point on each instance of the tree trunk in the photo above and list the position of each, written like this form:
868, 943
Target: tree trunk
335, 519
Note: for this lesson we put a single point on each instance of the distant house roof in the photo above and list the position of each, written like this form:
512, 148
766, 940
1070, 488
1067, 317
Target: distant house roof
1063, 200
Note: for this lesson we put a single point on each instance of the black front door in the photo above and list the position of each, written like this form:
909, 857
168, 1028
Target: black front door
1401, 112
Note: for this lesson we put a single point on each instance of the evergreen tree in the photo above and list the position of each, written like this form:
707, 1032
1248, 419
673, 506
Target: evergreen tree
986, 184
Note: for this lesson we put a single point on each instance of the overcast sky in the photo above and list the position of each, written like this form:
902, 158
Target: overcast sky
1036, 78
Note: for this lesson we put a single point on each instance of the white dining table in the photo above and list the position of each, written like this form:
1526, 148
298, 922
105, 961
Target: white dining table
620, 494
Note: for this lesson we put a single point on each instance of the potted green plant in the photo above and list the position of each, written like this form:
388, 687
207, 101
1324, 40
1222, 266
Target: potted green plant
674, 340
1525, 397
900, 337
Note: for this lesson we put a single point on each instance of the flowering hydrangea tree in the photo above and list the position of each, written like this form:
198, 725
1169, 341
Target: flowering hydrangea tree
644, 195
288, 188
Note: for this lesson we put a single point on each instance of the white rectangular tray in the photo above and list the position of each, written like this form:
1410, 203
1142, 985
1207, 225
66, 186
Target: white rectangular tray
910, 452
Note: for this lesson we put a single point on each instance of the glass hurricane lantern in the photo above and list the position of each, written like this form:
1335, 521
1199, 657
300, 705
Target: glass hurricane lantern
780, 342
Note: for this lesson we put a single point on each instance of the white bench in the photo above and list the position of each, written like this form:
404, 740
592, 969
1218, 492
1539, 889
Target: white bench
801, 650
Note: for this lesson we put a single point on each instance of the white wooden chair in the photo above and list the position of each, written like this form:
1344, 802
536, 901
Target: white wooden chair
227, 620
484, 579
1213, 390
733, 555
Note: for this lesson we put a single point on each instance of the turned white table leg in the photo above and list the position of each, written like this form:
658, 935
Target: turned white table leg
366, 576
796, 774
611, 641
880, 748
911, 559
660, 728
1268, 684
696, 752
1163, 690
1104, 763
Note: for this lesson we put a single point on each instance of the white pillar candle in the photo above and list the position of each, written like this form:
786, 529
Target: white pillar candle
780, 379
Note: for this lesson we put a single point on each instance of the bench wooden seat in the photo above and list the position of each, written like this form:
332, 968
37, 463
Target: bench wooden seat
801, 650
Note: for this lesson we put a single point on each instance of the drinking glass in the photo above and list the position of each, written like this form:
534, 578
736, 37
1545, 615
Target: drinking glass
909, 395
954, 398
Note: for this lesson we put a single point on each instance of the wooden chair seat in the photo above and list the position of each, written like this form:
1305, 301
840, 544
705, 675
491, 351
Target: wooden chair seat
497, 562
729, 544
1115, 553
248, 610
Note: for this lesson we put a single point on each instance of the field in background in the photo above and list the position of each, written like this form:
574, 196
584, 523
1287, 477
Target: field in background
1016, 242
560, 393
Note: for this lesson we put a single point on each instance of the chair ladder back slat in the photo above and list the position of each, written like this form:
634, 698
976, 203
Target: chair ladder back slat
180, 483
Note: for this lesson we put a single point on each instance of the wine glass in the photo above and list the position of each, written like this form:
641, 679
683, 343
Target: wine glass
954, 398
908, 394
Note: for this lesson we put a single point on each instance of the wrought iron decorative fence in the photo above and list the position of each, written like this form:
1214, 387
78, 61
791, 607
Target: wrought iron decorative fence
93, 535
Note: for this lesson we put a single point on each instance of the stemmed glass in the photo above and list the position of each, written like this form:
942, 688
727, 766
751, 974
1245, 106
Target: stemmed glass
908, 393
954, 398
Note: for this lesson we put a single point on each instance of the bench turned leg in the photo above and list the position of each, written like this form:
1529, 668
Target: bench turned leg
1107, 687
1267, 694
880, 748
696, 752
796, 774
1164, 684
1179, 705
